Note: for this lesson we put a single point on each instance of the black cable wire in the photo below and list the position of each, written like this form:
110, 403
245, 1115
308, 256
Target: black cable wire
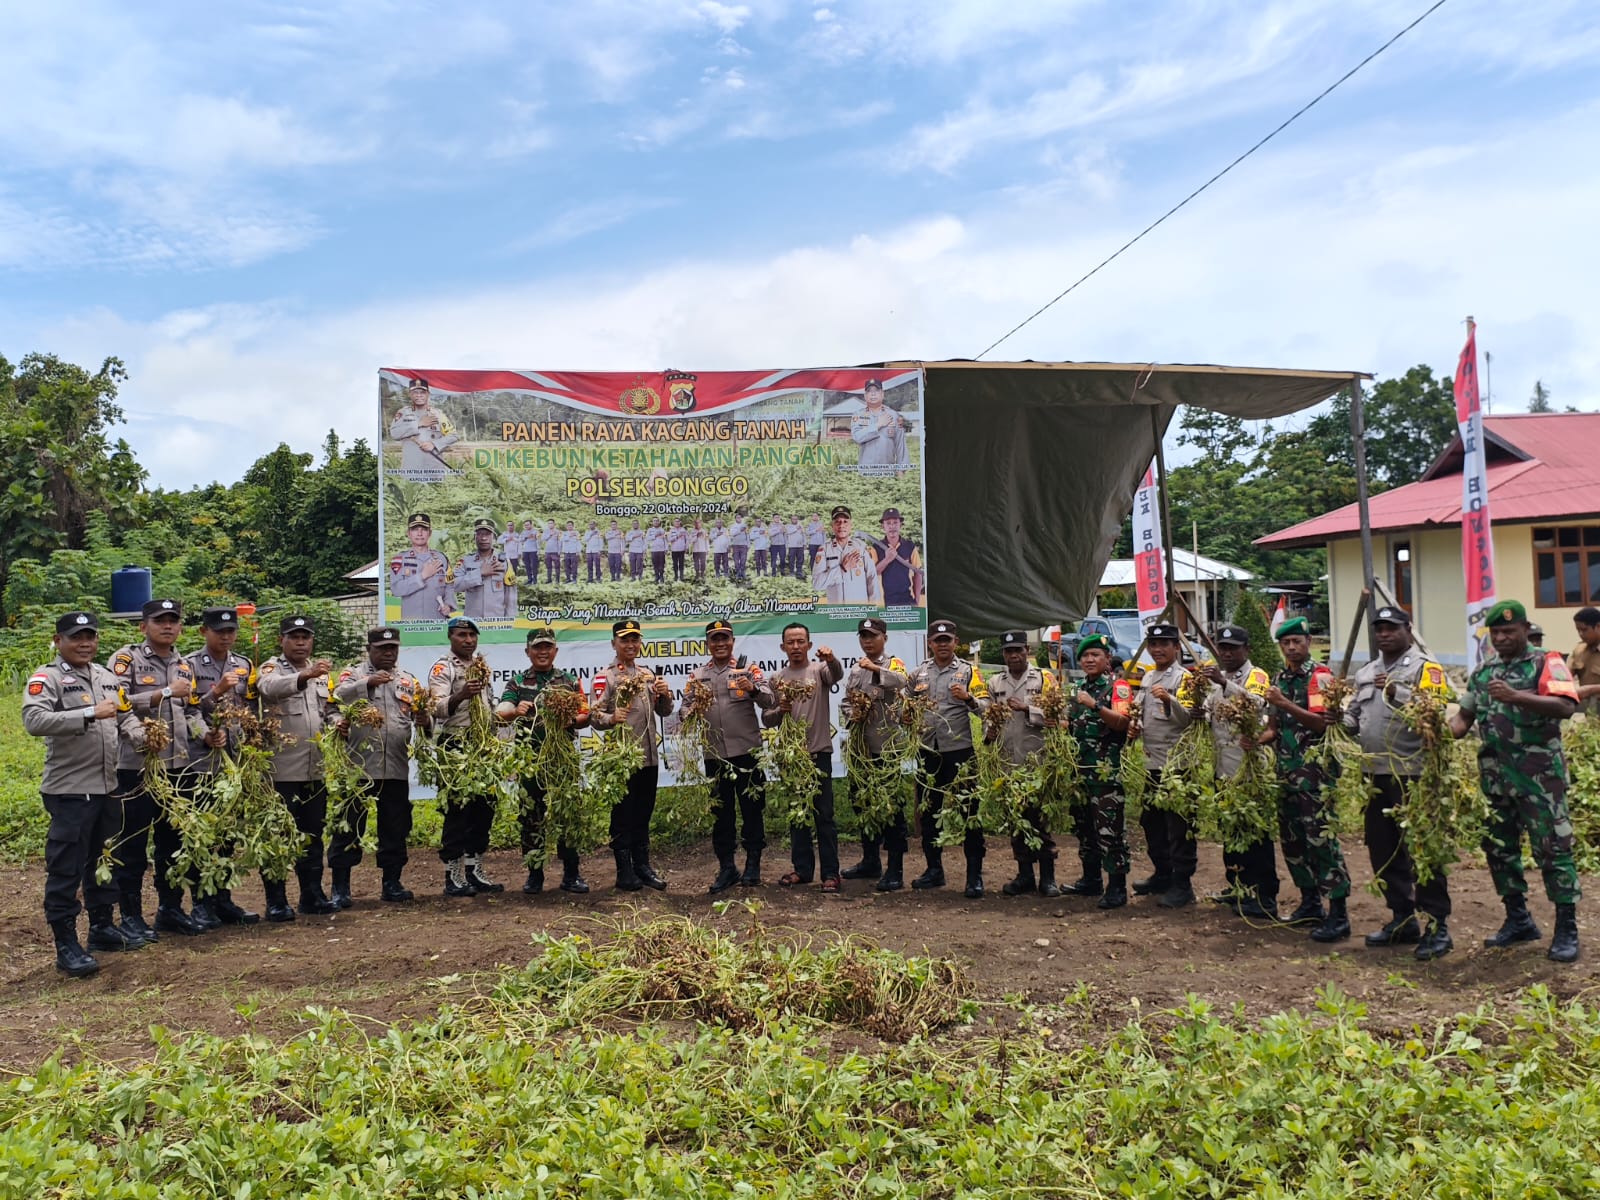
1435, 7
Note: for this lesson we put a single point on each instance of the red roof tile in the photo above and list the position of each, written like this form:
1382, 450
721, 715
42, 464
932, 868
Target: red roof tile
1558, 479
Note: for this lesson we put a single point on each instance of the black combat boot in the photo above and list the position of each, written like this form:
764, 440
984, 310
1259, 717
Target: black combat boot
571, 881
1047, 877
1564, 943
1334, 927
1155, 885
892, 879
1179, 895
1087, 884
133, 918
534, 884
278, 909
203, 915
456, 882
1402, 929
1023, 883
71, 958
341, 888
394, 892
170, 918
475, 876
974, 888
106, 934
868, 868
627, 878
727, 876
1310, 911
1435, 942
647, 874
1253, 908
313, 902
1116, 893
752, 869
933, 877
1518, 927
230, 913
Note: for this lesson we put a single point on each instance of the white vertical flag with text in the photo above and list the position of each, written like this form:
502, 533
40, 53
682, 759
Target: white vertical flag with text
1149, 569
1477, 540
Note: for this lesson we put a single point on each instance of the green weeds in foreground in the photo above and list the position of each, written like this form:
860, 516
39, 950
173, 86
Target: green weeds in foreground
519, 1092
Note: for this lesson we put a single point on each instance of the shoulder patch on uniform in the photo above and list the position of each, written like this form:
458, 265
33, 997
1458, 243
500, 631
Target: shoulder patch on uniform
122, 663
268, 667
35, 687
896, 665
1555, 679
438, 669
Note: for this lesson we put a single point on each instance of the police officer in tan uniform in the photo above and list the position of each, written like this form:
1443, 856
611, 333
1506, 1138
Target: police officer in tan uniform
420, 430
71, 703
418, 576
481, 578
464, 834
630, 817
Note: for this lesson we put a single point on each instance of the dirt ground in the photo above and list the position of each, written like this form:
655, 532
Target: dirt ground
387, 962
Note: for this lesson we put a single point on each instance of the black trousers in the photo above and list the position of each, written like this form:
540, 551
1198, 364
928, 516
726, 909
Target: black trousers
394, 828
80, 827
530, 826
677, 563
630, 816
142, 825
1023, 853
1253, 870
741, 797
941, 767
466, 828
1391, 861
827, 832
307, 802
1169, 841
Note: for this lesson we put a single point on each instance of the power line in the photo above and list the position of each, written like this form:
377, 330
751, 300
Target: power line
1307, 107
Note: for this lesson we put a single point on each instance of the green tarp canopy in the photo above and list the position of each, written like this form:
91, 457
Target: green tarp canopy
1031, 469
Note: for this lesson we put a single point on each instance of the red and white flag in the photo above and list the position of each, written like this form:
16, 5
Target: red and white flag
1477, 540
1280, 614
1149, 571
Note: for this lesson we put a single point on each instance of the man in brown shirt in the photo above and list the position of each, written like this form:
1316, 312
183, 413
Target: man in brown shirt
812, 712
1585, 660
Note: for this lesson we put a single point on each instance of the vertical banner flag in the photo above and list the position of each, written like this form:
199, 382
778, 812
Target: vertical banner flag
533, 499
1477, 542
1150, 573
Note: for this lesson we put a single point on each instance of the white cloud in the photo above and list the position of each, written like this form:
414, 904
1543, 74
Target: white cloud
584, 219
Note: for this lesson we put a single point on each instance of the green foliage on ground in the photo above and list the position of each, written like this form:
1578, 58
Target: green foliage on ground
22, 817
522, 1090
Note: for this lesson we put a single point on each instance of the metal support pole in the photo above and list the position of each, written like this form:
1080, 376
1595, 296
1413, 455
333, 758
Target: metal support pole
1358, 435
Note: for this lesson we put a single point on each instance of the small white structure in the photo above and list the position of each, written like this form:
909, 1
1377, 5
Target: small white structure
1198, 580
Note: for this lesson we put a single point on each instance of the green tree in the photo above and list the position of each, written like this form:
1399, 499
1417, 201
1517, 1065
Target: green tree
1539, 402
1409, 421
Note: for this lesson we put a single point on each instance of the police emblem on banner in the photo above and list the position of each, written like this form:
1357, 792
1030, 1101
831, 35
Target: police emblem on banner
680, 391
639, 401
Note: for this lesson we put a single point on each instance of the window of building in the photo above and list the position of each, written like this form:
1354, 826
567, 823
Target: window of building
1566, 565
1400, 573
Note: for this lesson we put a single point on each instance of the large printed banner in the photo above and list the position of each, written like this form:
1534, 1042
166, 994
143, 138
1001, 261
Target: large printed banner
524, 498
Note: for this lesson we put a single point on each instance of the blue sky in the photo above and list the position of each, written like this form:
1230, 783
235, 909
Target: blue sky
258, 205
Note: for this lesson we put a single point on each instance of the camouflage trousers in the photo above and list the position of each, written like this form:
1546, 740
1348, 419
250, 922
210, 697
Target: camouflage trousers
1100, 828
1311, 847
1529, 797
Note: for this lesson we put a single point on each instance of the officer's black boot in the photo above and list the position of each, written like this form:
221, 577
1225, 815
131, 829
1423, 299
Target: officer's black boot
892, 879
312, 900
394, 891
71, 958
203, 915
1335, 926
170, 918
1087, 884
106, 934
1400, 930
133, 925
341, 888
869, 867
1435, 943
534, 884
1253, 908
647, 874
627, 879
456, 882
1179, 895
933, 877
1518, 927
230, 913
974, 888
1023, 883
727, 876
752, 869
1564, 943
478, 879
571, 881
278, 909
1154, 885
1047, 876
1116, 892
1309, 912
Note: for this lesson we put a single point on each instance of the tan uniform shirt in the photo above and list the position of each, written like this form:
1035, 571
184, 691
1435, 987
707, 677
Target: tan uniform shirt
301, 713
1024, 731
946, 725
734, 728
1249, 680
448, 679
144, 673
1585, 664
881, 687
208, 672
813, 712
482, 584
384, 752
80, 753
1162, 723
1392, 747
640, 715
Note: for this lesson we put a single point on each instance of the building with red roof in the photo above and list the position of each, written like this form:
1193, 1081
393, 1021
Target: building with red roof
1544, 501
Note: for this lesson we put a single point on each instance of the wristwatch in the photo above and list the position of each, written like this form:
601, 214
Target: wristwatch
166, 693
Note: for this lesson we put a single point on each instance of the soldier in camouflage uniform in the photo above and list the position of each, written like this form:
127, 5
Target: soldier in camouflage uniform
1310, 845
1101, 713
1519, 701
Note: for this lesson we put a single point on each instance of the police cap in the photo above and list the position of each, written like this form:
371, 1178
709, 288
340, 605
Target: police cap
419, 521
1013, 637
941, 629
718, 626
624, 627
1160, 632
296, 623
871, 625
890, 512
157, 608
484, 523
384, 635
70, 623
1389, 615
220, 618
840, 510
1232, 635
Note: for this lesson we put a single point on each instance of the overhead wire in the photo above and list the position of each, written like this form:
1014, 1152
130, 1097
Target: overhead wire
1131, 242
